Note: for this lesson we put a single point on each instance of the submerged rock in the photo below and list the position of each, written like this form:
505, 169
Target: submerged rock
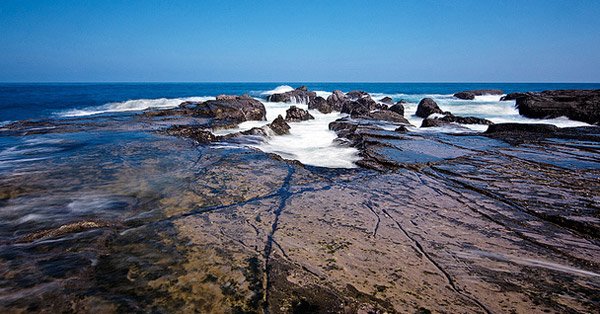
294, 114
580, 105
470, 94
319, 103
298, 95
426, 107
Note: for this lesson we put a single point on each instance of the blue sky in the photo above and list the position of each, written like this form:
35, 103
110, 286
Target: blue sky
365, 41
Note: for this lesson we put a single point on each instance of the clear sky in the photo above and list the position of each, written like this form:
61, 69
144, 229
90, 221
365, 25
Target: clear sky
310, 40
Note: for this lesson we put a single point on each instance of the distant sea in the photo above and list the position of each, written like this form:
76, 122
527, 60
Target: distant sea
19, 101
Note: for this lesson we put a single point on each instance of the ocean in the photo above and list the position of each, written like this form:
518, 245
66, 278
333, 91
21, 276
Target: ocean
310, 142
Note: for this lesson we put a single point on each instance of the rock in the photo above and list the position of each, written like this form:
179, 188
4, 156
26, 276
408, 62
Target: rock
320, 104
387, 100
356, 94
383, 115
512, 96
299, 95
429, 122
361, 106
470, 94
397, 108
294, 114
231, 108
465, 120
279, 126
580, 105
336, 100
426, 107
401, 129
196, 133
522, 127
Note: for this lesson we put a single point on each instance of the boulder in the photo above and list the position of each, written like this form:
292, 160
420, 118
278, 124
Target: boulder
356, 94
470, 94
336, 100
361, 106
426, 107
294, 114
298, 95
580, 105
397, 108
279, 126
231, 108
320, 104
387, 100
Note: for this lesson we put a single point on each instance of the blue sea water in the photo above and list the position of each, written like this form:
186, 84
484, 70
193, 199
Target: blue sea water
19, 101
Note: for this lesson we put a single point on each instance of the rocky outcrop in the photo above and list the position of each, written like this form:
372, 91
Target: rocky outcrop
299, 95
383, 115
336, 100
356, 94
580, 105
397, 108
426, 107
465, 120
294, 114
194, 132
522, 128
359, 106
229, 108
319, 103
431, 122
470, 94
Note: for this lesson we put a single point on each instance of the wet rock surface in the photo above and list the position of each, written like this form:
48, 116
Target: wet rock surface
427, 107
470, 94
580, 105
133, 220
298, 95
295, 114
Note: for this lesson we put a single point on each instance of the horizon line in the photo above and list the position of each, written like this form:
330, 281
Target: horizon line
292, 82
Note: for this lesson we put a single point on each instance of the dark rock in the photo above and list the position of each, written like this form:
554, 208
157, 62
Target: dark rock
356, 94
236, 109
336, 100
512, 96
426, 107
299, 95
470, 94
361, 106
383, 115
320, 104
580, 105
294, 114
465, 120
397, 108
429, 122
196, 133
401, 129
522, 127
279, 126
387, 100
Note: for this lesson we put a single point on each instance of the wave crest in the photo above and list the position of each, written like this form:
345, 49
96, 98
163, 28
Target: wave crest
130, 105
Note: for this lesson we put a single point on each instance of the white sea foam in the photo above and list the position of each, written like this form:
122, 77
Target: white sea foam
130, 105
278, 90
311, 142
